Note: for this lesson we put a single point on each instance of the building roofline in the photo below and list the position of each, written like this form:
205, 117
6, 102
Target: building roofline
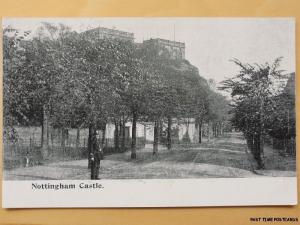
109, 29
165, 40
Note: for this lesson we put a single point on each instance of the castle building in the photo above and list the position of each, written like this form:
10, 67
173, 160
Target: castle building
103, 33
175, 48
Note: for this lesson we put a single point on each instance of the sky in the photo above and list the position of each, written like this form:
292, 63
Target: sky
210, 42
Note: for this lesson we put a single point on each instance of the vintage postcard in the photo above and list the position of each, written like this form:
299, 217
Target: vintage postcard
148, 112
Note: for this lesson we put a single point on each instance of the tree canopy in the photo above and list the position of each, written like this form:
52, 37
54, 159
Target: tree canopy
257, 94
70, 80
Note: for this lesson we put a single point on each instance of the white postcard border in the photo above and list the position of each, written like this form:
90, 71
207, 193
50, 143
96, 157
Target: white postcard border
151, 193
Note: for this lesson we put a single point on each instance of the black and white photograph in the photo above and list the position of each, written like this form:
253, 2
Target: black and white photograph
105, 102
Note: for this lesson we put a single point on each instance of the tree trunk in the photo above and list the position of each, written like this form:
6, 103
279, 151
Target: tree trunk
261, 149
222, 130
42, 134
90, 144
145, 134
117, 148
123, 143
45, 132
103, 144
250, 143
208, 131
169, 134
257, 151
133, 139
94, 152
200, 132
64, 133
77, 138
156, 138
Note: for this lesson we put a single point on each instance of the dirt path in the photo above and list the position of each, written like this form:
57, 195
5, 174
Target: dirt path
224, 157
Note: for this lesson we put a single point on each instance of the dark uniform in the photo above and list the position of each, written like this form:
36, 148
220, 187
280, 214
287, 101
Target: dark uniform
95, 158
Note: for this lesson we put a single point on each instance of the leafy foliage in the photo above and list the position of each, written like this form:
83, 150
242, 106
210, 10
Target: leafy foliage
257, 96
78, 81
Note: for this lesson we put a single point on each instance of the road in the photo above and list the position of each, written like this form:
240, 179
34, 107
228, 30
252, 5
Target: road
222, 157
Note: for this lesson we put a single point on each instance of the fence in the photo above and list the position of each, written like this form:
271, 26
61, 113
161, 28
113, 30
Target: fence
26, 150
285, 147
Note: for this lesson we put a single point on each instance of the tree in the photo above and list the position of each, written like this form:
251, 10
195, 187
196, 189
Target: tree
252, 91
217, 114
176, 91
15, 93
281, 123
88, 87
197, 100
29, 71
161, 89
128, 86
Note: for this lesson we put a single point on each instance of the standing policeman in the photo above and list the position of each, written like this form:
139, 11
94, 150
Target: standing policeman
96, 156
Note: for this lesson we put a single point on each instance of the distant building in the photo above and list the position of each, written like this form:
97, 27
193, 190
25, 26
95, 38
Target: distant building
102, 33
175, 48
184, 129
